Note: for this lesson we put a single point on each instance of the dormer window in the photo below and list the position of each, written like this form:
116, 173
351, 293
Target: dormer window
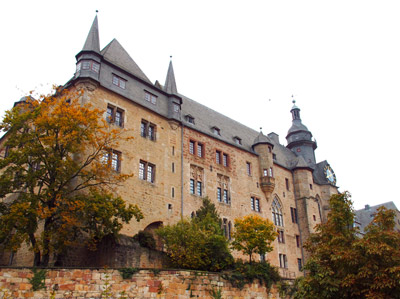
238, 140
216, 131
149, 97
190, 119
88, 65
118, 81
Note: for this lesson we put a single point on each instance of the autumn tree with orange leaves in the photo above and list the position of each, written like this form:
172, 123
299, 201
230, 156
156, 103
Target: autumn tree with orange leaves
345, 264
57, 177
253, 234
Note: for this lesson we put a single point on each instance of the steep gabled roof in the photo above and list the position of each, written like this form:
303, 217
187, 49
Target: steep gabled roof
93, 41
118, 56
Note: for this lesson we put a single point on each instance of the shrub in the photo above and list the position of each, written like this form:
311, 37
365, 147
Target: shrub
145, 239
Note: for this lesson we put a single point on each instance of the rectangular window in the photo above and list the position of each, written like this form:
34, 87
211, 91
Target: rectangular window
191, 146
199, 149
293, 213
173, 167
257, 205
196, 148
226, 198
176, 108
148, 130
252, 199
274, 156
149, 97
115, 115
298, 241
283, 261
118, 81
147, 171
218, 157
113, 159
225, 160
281, 236
265, 172
299, 264
88, 65
192, 186
287, 184
199, 189
219, 195
248, 167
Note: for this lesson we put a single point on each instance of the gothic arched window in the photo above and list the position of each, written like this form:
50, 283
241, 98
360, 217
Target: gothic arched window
277, 215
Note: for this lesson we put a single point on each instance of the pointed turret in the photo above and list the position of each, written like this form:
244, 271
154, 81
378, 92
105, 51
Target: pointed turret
299, 138
174, 100
170, 83
93, 41
88, 60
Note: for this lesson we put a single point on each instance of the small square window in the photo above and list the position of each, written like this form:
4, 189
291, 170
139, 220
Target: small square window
314, 218
113, 159
118, 81
115, 115
146, 171
216, 131
238, 140
149, 97
190, 119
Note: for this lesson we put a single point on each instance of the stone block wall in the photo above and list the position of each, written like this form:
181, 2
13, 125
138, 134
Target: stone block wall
95, 283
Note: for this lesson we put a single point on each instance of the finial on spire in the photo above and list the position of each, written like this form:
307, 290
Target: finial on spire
260, 129
170, 57
97, 11
293, 100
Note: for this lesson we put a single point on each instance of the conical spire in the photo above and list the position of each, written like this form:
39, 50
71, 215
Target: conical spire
92, 41
170, 84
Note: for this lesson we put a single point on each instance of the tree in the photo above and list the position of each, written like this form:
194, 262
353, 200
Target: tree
58, 177
198, 243
343, 264
253, 234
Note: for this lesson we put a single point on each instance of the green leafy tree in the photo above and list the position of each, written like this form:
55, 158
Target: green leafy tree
57, 179
253, 234
343, 264
198, 243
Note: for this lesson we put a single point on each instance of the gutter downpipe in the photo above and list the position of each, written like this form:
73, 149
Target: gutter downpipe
183, 127
298, 222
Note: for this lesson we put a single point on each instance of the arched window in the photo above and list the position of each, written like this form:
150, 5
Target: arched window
277, 212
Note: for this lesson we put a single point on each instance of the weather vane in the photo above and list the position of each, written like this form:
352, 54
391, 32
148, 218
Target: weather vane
293, 100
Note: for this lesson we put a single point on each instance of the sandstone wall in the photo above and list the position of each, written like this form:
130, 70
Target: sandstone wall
89, 283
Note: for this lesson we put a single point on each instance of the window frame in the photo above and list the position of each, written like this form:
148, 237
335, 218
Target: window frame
108, 159
248, 168
281, 236
93, 66
119, 81
111, 113
277, 214
283, 263
146, 127
293, 214
144, 172
196, 148
150, 97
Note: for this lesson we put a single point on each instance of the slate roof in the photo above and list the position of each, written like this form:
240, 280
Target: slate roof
117, 55
92, 41
366, 215
205, 119
170, 84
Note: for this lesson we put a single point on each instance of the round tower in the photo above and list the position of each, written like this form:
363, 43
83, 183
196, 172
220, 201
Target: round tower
299, 138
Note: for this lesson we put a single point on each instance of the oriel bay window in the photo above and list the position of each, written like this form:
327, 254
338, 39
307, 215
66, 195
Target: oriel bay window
147, 171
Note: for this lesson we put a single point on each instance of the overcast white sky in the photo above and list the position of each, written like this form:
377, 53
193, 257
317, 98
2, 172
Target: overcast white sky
340, 60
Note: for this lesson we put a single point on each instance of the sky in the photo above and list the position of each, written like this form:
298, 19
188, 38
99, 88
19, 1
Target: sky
339, 59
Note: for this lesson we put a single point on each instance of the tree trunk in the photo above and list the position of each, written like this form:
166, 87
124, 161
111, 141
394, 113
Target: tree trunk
36, 259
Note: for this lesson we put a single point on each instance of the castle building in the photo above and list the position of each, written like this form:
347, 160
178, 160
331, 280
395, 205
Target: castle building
183, 151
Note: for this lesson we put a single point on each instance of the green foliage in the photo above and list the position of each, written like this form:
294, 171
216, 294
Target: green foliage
56, 178
145, 239
245, 272
345, 265
253, 234
198, 243
155, 271
38, 279
127, 273
216, 293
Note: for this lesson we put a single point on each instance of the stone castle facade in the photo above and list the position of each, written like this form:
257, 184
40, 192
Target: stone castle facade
183, 151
